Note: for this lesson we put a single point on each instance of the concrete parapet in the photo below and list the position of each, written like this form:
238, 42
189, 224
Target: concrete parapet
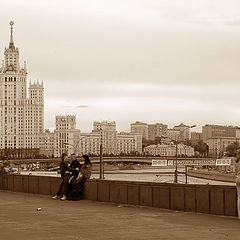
220, 200
10, 182
190, 199
1, 181
44, 186
18, 183
103, 191
5, 182
133, 194
146, 196
118, 193
33, 184
230, 196
91, 190
177, 198
55, 183
25, 183
202, 200
161, 197
217, 201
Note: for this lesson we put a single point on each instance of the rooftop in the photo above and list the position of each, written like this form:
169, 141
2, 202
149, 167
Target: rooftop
19, 219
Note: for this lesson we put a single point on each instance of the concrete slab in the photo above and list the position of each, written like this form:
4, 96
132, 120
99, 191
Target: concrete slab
19, 219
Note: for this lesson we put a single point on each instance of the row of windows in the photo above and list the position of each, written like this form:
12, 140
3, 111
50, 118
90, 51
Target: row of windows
13, 79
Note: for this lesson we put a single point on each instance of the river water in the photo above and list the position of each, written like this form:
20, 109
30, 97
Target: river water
160, 175
156, 175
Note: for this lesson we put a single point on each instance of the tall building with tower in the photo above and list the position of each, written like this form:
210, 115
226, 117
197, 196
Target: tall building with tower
21, 107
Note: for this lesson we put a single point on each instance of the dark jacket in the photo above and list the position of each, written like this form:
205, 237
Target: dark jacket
64, 168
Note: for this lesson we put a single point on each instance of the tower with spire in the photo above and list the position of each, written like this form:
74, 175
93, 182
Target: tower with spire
21, 117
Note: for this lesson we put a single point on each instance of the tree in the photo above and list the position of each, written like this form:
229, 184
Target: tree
202, 148
232, 149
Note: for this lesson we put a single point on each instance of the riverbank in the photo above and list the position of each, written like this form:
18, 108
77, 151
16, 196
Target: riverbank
212, 175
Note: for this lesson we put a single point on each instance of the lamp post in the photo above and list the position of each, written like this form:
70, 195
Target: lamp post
75, 146
176, 159
101, 176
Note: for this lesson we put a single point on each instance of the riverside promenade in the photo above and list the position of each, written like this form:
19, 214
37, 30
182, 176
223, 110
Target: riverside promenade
19, 219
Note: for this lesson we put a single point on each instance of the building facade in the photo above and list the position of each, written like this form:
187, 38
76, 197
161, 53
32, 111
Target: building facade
66, 138
169, 150
173, 134
196, 137
47, 144
108, 135
184, 132
140, 128
21, 109
157, 130
128, 143
218, 137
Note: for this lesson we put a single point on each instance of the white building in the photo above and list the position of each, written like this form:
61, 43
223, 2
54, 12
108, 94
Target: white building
129, 143
108, 135
47, 143
22, 117
66, 138
169, 150
66, 135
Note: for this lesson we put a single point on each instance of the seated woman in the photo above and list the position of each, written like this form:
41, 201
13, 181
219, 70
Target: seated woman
85, 173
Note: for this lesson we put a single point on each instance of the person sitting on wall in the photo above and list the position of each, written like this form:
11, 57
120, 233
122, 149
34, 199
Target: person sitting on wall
76, 165
2, 171
65, 175
237, 170
85, 173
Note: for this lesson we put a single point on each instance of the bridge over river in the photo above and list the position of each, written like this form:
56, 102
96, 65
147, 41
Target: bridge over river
136, 160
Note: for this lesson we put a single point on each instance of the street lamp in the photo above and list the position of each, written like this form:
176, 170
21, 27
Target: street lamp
176, 160
101, 172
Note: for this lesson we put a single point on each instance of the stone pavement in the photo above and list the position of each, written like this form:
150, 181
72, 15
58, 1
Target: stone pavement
19, 219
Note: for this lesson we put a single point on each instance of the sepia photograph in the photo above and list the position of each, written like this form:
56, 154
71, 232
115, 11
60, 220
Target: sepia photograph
119, 119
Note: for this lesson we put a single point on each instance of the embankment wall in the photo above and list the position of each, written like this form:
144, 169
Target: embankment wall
210, 199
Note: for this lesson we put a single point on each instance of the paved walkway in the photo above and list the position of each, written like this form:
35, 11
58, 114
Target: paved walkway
19, 219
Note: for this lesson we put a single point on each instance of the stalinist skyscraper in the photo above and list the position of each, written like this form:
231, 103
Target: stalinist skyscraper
21, 108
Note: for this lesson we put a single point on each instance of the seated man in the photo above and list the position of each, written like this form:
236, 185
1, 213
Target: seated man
66, 173
76, 166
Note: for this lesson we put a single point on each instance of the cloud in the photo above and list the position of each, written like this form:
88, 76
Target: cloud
82, 106
78, 106
234, 22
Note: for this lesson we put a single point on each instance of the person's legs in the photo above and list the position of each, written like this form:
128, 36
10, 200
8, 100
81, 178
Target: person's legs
65, 188
71, 188
59, 192
238, 195
78, 187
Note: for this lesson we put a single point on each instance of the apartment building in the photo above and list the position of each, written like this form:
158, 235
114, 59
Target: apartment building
218, 137
157, 130
184, 132
140, 128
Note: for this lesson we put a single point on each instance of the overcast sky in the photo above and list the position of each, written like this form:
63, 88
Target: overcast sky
167, 61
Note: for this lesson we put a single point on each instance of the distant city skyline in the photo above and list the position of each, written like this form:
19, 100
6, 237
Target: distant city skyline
151, 61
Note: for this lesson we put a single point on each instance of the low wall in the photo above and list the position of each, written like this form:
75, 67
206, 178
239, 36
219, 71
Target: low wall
211, 199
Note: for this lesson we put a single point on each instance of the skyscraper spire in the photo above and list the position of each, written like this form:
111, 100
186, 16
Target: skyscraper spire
11, 35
